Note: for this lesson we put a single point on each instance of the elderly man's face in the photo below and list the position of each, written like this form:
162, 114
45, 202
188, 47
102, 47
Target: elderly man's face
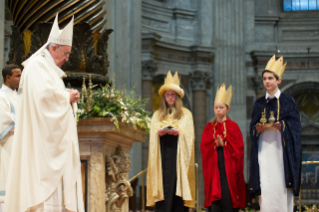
60, 54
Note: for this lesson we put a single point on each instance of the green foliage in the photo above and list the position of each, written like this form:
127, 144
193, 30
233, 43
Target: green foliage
118, 105
247, 209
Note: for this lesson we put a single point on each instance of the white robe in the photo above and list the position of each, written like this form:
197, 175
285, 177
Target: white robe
45, 152
8, 103
274, 195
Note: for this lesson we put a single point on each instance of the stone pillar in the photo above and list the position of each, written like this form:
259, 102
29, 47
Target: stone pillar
249, 47
204, 27
125, 54
200, 81
148, 70
96, 174
125, 43
229, 41
2, 35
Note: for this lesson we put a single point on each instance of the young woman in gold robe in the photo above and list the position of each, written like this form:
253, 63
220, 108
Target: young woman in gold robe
171, 174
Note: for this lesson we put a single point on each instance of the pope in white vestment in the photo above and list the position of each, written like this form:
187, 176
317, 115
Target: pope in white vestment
45, 168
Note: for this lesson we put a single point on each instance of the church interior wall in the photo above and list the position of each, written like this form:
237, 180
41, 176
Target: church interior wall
174, 23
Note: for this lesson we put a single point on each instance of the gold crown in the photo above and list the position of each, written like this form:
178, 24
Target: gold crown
276, 67
223, 95
172, 80
171, 83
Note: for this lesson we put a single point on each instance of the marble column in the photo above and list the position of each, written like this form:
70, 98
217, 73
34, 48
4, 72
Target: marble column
2, 36
229, 40
148, 69
200, 81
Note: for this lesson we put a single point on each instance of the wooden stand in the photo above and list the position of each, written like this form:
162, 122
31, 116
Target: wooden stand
105, 151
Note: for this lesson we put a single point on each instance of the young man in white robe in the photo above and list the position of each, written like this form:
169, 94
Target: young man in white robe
8, 105
45, 167
275, 161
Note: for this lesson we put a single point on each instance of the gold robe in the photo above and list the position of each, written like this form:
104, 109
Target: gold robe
185, 166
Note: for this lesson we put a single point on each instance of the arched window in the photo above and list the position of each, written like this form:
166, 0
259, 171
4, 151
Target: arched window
298, 5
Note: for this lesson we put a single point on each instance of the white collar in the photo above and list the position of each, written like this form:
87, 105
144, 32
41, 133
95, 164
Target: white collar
59, 71
6, 88
277, 95
47, 53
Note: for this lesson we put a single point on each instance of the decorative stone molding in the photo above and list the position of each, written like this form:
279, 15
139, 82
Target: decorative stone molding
257, 83
118, 188
88, 54
200, 80
148, 69
184, 14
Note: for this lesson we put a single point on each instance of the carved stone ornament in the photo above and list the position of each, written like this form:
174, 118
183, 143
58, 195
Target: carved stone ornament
89, 51
118, 188
200, 80
148, 69
257, 83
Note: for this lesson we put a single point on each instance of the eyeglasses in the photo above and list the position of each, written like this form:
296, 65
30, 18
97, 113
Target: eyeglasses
170, 95
66, 55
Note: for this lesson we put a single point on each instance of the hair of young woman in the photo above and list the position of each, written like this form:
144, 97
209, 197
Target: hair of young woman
178, 107
215, 118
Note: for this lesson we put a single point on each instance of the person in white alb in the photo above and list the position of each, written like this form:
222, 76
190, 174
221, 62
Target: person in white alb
8, 104
45, 167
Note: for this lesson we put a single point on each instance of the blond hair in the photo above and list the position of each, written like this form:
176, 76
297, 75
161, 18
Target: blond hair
178, 107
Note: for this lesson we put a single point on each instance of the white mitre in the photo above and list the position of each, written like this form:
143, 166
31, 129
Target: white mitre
61, 37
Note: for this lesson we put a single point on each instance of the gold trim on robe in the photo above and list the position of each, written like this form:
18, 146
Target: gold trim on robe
185, 166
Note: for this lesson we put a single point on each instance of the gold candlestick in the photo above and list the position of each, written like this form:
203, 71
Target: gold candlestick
272, 118
263, 119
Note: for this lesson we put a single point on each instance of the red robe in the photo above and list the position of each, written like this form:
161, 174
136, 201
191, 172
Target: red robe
234, 162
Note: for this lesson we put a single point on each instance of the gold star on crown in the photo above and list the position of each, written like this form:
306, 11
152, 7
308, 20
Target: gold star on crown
223, 95
276, 67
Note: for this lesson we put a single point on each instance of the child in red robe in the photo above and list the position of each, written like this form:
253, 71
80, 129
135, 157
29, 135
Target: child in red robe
222, 149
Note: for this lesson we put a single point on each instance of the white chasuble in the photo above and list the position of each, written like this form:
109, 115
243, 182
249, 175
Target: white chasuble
45, 152
272, 174
8, 104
